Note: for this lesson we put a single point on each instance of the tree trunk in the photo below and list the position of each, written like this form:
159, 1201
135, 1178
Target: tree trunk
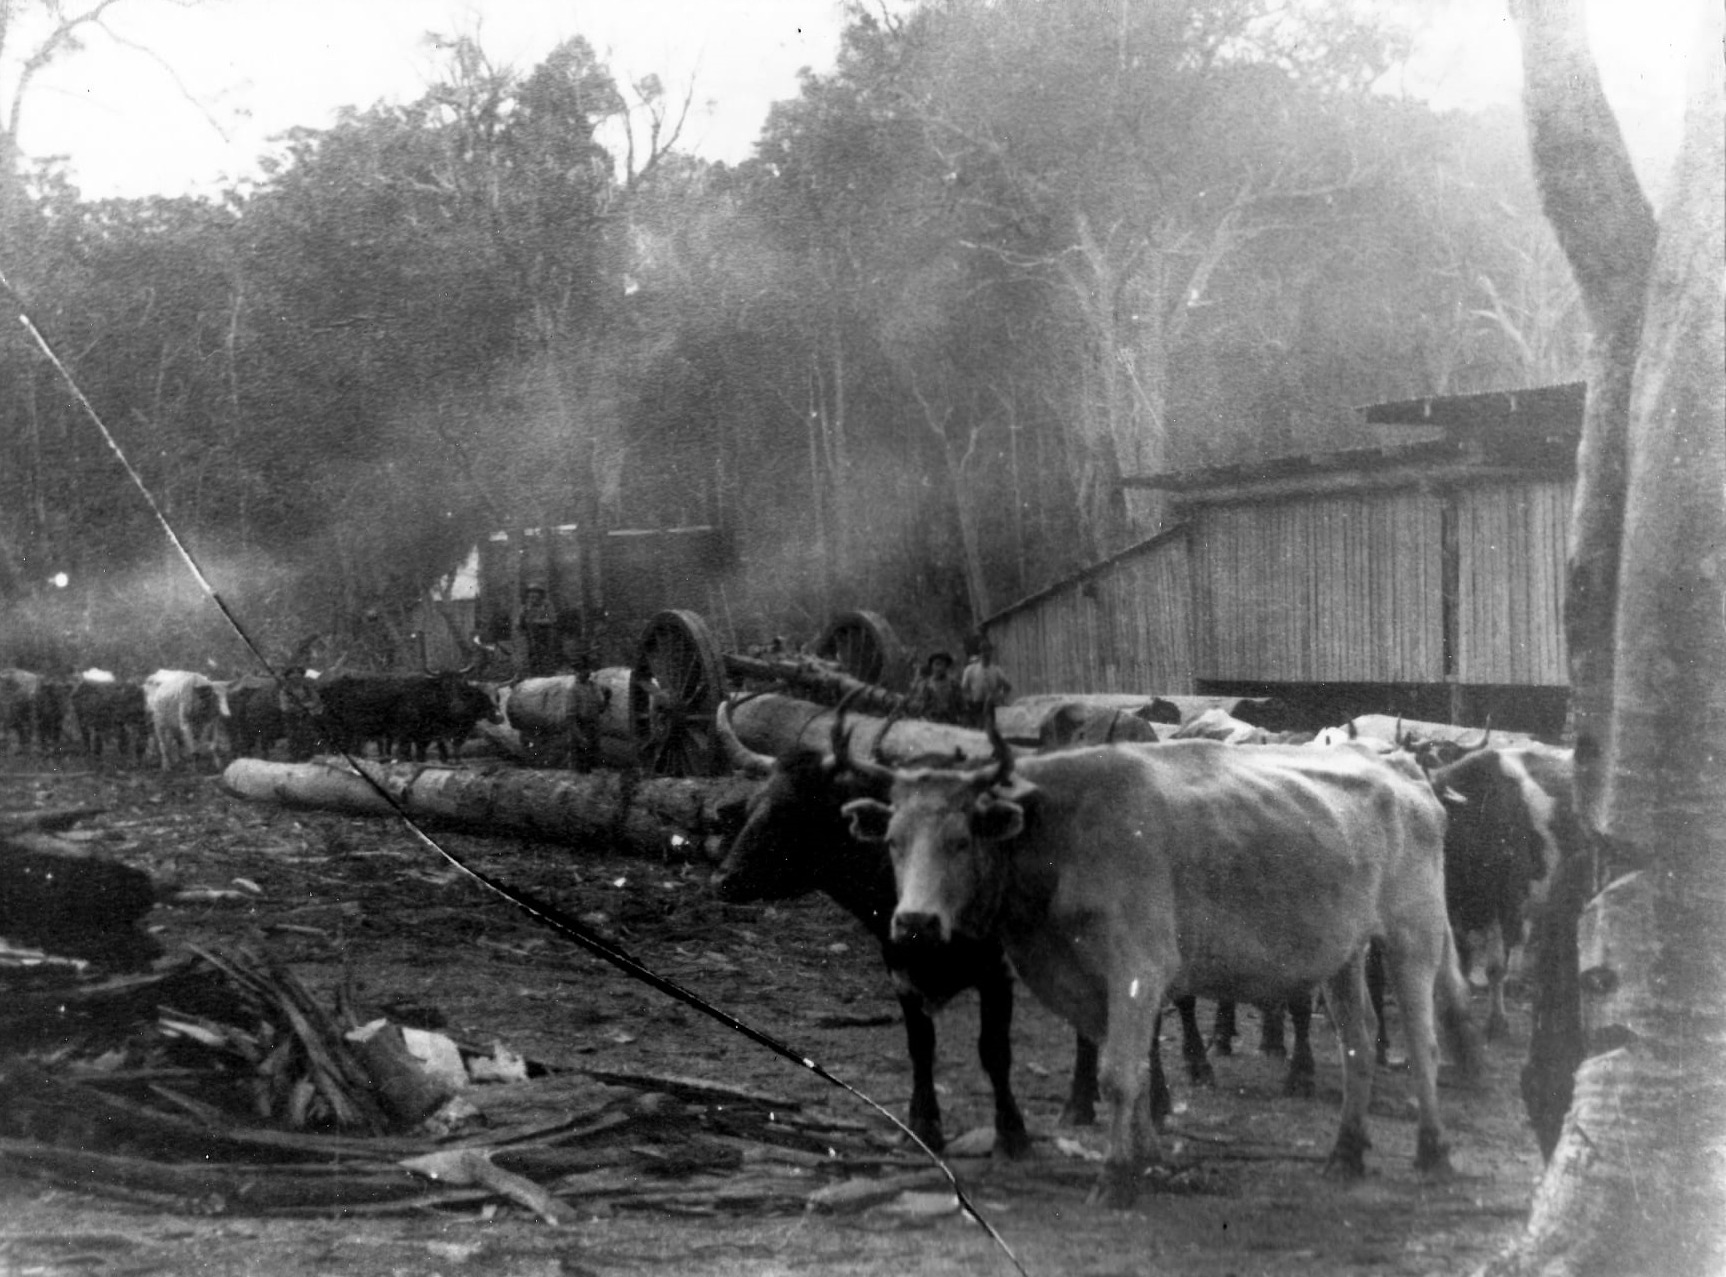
681, 819
1636, 1183
774, 725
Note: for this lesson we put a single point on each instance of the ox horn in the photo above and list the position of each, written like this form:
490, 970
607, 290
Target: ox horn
838, 739
878, 753
842, 759
741, 756
483, 653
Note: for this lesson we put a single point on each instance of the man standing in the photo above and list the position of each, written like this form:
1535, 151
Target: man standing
983, 686
935, 695
539, 631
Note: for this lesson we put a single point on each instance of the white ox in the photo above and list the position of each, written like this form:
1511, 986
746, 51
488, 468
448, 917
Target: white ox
185, 711
1117, 875
558, 718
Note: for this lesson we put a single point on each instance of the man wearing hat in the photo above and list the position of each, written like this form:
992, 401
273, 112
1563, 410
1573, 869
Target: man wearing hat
935, 694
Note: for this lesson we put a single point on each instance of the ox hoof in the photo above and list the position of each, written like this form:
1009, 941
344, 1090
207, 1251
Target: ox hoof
1497, 1026
929, 1134
1117, 1188
1078, 1113
1431, 1154
1348, 1159
1201, 1073
1012, 1145
1300, 1086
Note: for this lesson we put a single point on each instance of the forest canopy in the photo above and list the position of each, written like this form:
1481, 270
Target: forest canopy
1003, 254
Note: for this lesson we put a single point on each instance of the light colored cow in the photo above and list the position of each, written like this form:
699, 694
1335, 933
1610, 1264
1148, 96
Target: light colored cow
558, 717
185, 709
1117, 875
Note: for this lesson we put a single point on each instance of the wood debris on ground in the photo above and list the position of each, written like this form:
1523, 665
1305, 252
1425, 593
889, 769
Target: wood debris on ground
216, 1084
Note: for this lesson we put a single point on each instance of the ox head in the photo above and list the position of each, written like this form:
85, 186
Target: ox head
942, 827
794, 837
1436, 752
1498, 812
472, 703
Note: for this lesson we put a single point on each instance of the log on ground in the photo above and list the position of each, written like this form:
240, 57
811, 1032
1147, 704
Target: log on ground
676, 819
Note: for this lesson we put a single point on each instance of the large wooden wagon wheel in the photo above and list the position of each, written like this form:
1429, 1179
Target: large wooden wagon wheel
674, 689
866, 648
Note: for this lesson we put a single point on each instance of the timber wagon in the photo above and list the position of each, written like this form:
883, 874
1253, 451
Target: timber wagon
643, 609
679, 673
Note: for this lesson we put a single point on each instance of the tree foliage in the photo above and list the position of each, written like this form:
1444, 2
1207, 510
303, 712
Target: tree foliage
1005, 253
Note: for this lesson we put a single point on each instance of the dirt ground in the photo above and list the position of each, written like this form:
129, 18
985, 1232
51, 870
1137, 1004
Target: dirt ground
352, 898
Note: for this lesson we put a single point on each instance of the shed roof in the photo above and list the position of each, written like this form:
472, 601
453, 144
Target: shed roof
1545, 412
1531, 432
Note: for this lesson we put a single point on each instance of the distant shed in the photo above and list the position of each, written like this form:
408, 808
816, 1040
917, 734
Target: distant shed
1422, 576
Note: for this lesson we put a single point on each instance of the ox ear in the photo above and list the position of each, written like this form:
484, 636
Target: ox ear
996, 819
868, 818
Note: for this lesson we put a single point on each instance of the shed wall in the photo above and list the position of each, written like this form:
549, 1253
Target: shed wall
1335, 589
1511, 542
1125, 627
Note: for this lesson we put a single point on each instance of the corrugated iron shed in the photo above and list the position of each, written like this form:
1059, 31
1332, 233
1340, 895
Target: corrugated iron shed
1438, 560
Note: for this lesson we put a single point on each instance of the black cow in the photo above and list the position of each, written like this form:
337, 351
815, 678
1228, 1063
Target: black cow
794, 841
52, 700
402, 713
32, 708
110, 714
262, 711
1511, 816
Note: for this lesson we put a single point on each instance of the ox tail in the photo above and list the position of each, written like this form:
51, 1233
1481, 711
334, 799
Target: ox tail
1456, 1028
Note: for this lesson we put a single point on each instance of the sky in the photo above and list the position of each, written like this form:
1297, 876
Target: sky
191, 92
184, 95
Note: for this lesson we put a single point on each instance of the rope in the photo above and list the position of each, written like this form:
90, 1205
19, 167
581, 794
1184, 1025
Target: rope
545, 914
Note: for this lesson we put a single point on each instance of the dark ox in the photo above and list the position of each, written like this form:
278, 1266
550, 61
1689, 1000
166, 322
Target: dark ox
263, 711
110, 715
1512, 821
1116, 874
32, 708
402, 713
796, 840
558, 719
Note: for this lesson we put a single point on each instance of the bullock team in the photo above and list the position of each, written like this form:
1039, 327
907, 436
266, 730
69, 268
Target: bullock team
1122, 866
185, 719
1112, 878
